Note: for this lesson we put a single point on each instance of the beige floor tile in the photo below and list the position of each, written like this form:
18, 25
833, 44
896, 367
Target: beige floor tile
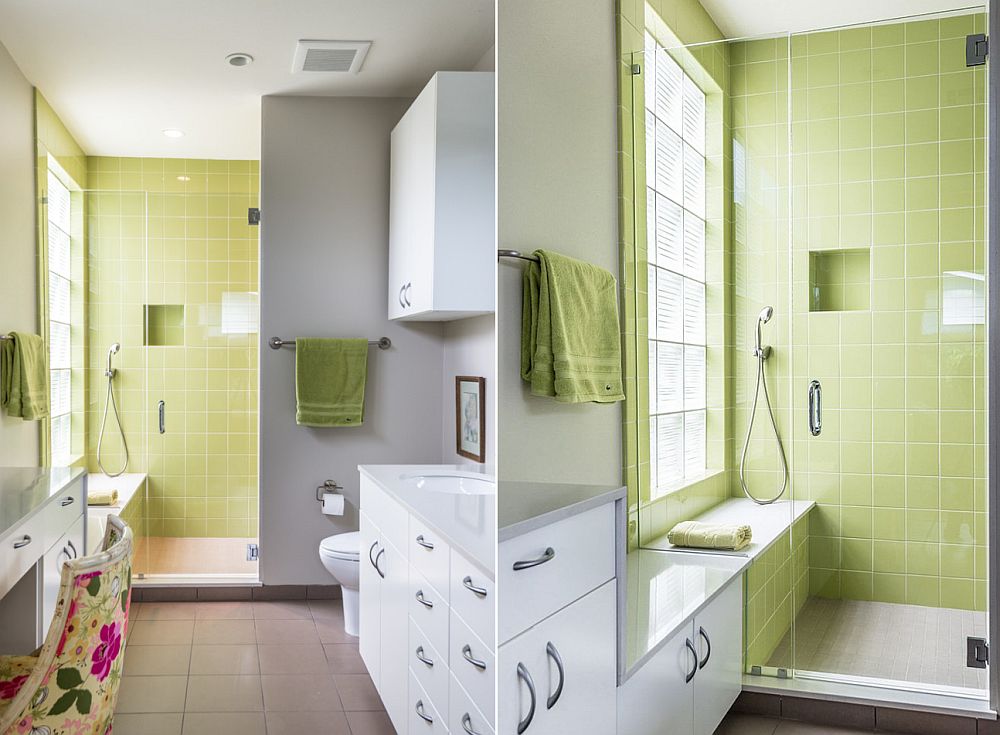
158, 724
161, 632
343, 658
224, 694
225, 611
787, 727
357, 692
167, 611
370, 723
326, 609
224, 723
224, 660
740, 724
289, 632
307, 659
314, 723
282, 610
147, 694
228, 632
300, 693
157, 660
331, 630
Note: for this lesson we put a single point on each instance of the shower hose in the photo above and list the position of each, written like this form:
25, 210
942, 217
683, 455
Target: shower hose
110, 401
762, 384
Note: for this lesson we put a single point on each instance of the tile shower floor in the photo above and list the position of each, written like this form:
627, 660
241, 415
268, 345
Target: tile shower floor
172, 555
245, 668
884, 640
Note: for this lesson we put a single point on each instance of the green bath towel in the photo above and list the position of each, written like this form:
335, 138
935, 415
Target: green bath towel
24, 376
727, 537
330, 379
570, 336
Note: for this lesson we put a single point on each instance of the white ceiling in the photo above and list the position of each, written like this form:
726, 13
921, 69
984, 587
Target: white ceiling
742, 18
118, 72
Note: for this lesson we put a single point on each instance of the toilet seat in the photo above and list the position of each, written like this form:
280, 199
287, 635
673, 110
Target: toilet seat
342, 546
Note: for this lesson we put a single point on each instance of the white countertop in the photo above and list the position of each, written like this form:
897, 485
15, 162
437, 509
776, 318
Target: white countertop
25, 490
525, 506
466, 522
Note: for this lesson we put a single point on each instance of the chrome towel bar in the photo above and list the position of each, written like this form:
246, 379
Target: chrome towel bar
517, 254
276, 343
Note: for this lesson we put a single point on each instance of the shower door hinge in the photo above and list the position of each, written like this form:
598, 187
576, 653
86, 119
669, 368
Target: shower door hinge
977, 48
977, 653
253, 553
636, 70
253, 216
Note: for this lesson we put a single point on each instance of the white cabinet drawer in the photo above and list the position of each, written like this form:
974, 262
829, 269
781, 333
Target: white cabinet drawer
388, 516
424, 717
429, 666
429, 555
464, 718
546, 569
473, 596
428, 609
473, 663
29, 539
62, 512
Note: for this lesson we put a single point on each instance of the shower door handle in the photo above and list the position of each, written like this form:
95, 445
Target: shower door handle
163, 416
815, 408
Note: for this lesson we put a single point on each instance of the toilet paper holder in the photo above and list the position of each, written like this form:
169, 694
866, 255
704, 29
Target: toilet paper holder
328, 486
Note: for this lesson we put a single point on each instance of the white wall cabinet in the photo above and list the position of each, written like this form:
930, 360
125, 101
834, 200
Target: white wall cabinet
441, 202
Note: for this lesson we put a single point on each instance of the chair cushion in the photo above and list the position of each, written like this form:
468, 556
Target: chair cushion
14, 671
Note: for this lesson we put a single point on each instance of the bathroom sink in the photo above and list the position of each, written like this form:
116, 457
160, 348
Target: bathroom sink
451, 482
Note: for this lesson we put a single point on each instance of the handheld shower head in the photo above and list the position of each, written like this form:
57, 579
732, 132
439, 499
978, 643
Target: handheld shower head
763, 318
113, 350
765, 314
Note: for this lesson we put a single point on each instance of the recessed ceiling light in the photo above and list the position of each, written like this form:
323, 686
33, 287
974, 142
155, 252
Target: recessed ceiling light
173, 133
183, 178
239, 59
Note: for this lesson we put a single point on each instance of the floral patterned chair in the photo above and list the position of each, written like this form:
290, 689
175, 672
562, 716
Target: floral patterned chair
70, 685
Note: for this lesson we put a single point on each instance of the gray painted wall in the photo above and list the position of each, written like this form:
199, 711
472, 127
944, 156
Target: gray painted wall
324, 264
18, 305
469, 349
557, 189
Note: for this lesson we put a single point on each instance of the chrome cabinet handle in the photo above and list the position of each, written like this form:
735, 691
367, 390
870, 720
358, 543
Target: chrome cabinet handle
72, 548
162, 410
401, 289
548, 555
467, 724
553, 653
423, 715
481, 591
815, 408
428, 662
25, 540
708, 642
377, 567
694, 669
467, 655
406, 294
523, 675
66, 501
420, 598
370, 557
425, 544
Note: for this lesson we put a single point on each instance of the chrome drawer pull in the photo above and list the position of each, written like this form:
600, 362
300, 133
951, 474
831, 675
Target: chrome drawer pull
694, 669
66, 501
23, 542
377, 567
423, 715
72, 548
423, 659
552, 653
708, 642
467, 654
425, 544
467, 724
420, 598
371, 549
549, 555
523, 675
481, 591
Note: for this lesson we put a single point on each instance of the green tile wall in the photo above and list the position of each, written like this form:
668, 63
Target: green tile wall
167, 233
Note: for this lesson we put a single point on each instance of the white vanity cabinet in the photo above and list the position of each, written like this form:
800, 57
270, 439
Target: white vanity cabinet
441, 201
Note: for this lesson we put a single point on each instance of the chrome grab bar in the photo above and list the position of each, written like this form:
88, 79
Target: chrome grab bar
547, 556
815, 408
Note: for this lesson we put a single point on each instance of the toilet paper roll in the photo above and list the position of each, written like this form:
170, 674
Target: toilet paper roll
333, 504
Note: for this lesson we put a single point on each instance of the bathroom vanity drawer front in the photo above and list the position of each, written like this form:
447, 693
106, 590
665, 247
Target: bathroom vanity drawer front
546, 569
428, 610
473, 663
429, 554
473, 596
424, 717
388, 515
429, 666
29, 539
464, 717
62, 512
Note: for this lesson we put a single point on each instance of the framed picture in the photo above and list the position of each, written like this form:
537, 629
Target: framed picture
470, 417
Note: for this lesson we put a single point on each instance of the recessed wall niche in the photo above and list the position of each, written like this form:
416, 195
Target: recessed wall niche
163, 325
839, 280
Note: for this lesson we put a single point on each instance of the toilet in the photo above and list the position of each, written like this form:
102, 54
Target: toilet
339, 555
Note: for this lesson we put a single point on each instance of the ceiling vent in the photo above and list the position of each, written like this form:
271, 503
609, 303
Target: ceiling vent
330, 56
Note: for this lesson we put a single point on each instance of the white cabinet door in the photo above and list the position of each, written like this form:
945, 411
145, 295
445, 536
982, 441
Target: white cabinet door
719, 631
565, 669
68, 547
369, 599
394, 654
658, 698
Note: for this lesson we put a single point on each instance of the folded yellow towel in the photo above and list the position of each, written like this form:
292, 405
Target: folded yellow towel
728, 537
102, 497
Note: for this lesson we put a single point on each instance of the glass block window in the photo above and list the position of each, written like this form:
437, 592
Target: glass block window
675, 225
60, 286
